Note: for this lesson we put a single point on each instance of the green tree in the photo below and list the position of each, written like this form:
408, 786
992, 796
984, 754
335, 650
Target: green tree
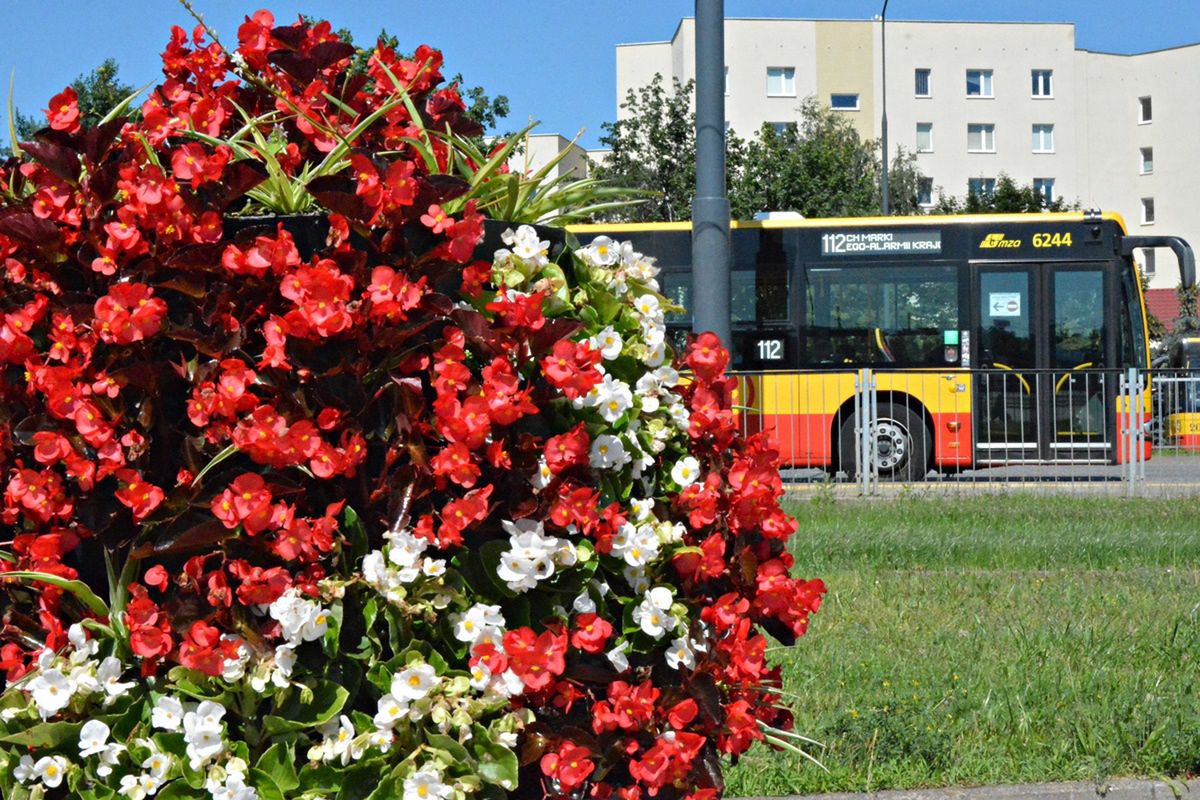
904, 184
1188, 320
1158, 330
819, 168
99, 92
653, 147
1008, 197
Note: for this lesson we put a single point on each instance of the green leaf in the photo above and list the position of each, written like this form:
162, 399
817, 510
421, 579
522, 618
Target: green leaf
77, 588
45, 734
447, 744
122, 106
217, 459
265, 784
12, 124
497, 764
279, 762
327, 701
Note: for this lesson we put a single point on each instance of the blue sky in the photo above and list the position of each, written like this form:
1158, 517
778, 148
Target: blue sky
554, 60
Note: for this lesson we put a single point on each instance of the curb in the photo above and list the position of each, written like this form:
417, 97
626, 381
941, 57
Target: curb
1125, 789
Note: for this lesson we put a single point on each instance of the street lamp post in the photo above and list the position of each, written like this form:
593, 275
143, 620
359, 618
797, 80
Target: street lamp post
710, 210
885, 202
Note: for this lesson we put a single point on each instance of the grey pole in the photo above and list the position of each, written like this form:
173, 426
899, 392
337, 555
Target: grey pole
883, 189
710, 210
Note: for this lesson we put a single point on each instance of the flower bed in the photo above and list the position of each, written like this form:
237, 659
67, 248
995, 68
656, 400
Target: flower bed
357, 513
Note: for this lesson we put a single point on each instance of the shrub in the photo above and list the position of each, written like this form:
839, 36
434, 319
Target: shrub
330, 505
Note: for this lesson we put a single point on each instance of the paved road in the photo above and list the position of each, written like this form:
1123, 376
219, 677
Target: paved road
1166, 475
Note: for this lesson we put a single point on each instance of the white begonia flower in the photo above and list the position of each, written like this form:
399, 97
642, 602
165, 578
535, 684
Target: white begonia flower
653, 614
426, 784
481, 677
109, 757
608, 452
234, 788
686, 471
531, 556
285, 662
51, 691
614, 398
542, 477
642, 509
131, 787
83, 675
51, 770
23, 772
527, 246
203, 733
608, 342
642, 548
234, 669
93, 738
390, 711
654, 333
636, 578
415, 682
300, 619
618, 658
84, 648
433, 567
341, 742
648, 306
382, 740
109, 677
584, 604
655, 355
600, 252
158, 764
681, 653
480, 622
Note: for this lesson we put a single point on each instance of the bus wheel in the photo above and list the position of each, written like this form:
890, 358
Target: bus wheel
903, 448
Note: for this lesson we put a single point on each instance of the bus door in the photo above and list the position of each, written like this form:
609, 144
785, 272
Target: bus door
1006, 343
1042, 344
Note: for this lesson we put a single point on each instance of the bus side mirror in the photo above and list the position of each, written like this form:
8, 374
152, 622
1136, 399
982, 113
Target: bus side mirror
1183, 253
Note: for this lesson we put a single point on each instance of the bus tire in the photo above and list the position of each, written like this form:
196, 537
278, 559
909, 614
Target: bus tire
903, 444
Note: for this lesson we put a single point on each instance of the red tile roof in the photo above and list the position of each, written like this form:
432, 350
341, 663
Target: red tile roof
1164, 304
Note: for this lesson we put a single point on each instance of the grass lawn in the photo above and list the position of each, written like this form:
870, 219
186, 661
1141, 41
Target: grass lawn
994, 639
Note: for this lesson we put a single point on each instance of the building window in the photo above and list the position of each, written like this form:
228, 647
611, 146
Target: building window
924, 137
781, 81
922, 78
1043, 138
981, 138
1145, 110
925, 191
1148, 265
1147, 165
781, 128
1043, 83
1147, 210
981, 187
1044, 187
979, 83
843, 102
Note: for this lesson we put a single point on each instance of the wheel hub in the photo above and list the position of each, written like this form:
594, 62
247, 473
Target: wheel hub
892, 444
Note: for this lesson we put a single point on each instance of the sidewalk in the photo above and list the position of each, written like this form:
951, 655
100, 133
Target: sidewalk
1125, 789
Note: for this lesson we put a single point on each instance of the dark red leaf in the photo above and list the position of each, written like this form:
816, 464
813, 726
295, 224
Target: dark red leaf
239, 178
704, 691
327, 54
31, 230
300, 67
553, 331
198, 537
62, 161
97, 141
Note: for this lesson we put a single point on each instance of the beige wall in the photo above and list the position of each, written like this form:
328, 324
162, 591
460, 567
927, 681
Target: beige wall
541, 148
846, 64
1093, 108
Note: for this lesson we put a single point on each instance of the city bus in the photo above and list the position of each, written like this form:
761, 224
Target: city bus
993, 339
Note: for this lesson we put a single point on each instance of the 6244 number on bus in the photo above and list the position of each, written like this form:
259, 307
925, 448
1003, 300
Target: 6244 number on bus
1052, 239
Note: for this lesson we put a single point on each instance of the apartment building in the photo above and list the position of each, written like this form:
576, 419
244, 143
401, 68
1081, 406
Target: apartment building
973, 100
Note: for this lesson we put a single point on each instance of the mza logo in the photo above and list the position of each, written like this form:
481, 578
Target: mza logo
997, 240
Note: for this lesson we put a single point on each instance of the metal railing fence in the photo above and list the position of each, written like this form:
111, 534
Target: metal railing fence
1086, 429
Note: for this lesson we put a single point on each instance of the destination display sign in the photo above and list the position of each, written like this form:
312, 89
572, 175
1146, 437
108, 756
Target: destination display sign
881, 243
